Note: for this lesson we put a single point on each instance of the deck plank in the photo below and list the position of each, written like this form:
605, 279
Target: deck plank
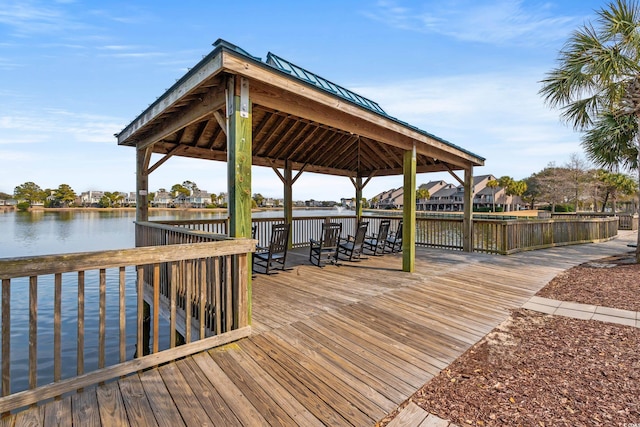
298, 412
334, 393
316, 405
58, 413
238, 402
29, 417
111, 407
185, 400
160, 399
136, 403
367, 400
215, 406
84, 407
261, 398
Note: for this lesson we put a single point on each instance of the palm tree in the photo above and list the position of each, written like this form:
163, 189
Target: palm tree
597, 86
493, 184
422, 194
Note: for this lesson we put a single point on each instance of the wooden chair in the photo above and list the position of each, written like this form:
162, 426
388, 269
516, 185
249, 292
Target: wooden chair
376, 243
352, 245
276, 253
394, 240
325, 250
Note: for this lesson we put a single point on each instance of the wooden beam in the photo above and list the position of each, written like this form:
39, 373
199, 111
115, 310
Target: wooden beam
409, 212
166, 157
221, 121
212, 101
456, 177
206, 70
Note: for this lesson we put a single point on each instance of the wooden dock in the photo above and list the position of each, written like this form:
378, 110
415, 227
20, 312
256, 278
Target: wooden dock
341, 345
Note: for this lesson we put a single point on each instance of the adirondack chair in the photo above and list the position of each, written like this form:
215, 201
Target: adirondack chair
394, 240
376, 243
276, 253
351, 247
325, 250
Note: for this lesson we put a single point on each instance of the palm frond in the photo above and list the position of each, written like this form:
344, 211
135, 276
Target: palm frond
610, 141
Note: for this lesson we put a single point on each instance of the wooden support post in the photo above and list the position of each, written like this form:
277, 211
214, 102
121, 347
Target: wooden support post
409, 211
288, 197
467, 223
142, 184
239, 170
239, 154
359, 187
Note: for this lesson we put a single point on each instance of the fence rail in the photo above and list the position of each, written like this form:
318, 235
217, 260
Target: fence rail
490, 235
117, 273
627, 221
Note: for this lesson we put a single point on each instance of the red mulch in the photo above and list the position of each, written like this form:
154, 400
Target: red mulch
541, 370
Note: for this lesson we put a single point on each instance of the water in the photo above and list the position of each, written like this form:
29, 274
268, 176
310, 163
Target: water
25, 234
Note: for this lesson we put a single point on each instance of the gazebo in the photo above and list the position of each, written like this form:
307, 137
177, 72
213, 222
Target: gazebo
235, 107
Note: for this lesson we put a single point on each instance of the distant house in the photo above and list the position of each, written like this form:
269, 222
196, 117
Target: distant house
162, 199
446, 197
91, 198
391, 199
432, 187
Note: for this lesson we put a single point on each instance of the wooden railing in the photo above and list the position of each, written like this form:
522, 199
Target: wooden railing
445, 231
627, 221
65, 285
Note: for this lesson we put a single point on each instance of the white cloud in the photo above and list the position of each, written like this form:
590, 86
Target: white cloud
51, 125
503, 22
499, 116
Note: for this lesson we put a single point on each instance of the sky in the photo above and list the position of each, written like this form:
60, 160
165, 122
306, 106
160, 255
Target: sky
74, 73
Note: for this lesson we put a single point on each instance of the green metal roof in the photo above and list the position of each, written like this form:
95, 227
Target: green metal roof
322, 83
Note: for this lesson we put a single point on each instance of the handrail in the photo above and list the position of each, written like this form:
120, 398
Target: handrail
186, 263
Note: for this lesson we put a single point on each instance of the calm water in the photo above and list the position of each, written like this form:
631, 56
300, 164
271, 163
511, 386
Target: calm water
43, 233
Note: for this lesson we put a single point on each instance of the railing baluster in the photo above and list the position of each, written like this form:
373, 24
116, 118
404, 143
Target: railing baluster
188, 283
123, 316
202, 302
140, 316
6, 337
80, 349
102, 318
217, 301
156, 307
33, 331
173, 303
228, 283
57, 330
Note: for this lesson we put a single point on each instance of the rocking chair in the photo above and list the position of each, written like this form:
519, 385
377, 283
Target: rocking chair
376, 243
276, 253
326, 249
394, 240
352, 246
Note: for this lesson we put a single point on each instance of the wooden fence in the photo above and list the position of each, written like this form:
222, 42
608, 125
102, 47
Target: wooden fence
627, 221
489, 235
65, 276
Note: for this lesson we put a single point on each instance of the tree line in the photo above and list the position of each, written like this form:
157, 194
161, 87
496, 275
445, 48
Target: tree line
30, 193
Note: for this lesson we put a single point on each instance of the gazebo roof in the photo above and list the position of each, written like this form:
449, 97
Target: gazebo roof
297, 116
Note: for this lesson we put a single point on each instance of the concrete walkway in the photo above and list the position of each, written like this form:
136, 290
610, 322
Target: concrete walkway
583, 311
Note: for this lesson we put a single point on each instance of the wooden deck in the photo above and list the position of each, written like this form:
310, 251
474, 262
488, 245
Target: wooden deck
341, 345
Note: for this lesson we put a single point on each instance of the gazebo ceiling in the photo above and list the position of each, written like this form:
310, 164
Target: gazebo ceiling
297, 117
